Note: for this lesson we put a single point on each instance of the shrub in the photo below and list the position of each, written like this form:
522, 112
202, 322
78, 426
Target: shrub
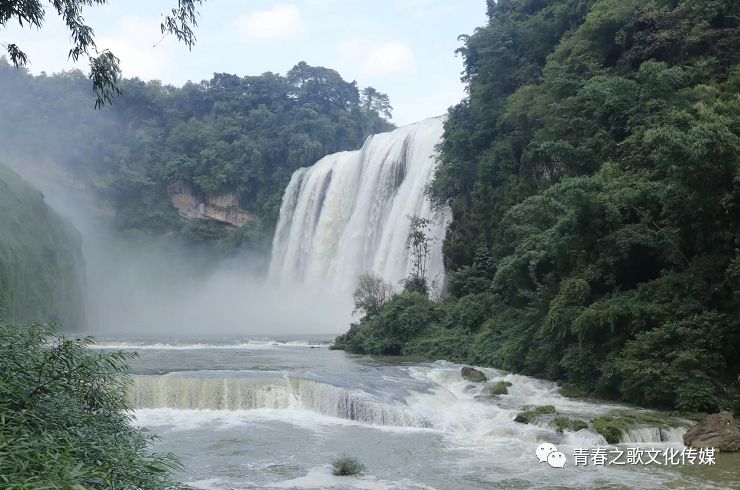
64, 420
346, 465
569, 390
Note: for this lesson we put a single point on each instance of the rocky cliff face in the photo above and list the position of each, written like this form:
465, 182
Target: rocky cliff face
223, 208
41, 265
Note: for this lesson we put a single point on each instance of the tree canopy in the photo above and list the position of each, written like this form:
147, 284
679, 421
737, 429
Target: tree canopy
244, 135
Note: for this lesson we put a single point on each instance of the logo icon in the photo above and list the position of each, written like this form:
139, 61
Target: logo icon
556, 459
543, 450
547, 452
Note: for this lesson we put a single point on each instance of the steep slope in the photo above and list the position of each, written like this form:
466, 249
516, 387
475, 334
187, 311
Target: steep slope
593, 173
40, 258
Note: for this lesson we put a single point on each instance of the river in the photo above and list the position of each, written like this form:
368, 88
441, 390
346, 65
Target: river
272, 413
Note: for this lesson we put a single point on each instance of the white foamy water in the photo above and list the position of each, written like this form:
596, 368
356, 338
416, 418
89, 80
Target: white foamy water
275, 418
437, 398
250, 345
349, 213
245, 393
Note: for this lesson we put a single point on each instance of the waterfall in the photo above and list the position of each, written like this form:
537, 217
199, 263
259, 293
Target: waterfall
349, 213
279, 393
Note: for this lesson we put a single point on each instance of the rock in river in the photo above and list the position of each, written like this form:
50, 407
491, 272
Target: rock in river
472, 374
718, 430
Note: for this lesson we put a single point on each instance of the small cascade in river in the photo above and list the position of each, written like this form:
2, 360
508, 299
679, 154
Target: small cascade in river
349, 213
233, 393
436, 397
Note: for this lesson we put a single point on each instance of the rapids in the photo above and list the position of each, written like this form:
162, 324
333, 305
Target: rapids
275, 416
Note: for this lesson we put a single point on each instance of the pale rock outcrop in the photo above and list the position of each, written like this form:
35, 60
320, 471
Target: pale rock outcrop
223, 208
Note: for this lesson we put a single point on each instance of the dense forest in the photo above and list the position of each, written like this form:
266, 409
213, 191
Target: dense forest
243, 135
593, 172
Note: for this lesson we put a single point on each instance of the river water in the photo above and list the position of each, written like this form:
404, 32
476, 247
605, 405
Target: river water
272, 413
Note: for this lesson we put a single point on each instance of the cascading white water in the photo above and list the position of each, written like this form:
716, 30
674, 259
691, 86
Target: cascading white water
233, 393
349, 213
448, 404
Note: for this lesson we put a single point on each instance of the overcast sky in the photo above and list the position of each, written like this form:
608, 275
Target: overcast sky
402, 47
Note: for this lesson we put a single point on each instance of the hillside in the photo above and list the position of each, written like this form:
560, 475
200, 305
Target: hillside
594, 176
40, 258
208, 160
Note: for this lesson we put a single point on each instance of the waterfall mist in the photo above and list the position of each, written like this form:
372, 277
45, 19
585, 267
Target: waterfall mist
144, 285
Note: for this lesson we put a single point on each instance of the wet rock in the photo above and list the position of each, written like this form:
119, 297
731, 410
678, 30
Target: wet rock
498, 388
472, 374
718, 430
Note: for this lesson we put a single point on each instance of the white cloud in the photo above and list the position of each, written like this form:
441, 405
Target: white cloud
134, 44
378, 60
322, 4
325, 4
390, 58
280, 22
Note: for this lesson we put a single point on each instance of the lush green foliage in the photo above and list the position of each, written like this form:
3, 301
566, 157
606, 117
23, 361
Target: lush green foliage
346, 466
40, 258
63, 418
104, 70
594, 178
244, 135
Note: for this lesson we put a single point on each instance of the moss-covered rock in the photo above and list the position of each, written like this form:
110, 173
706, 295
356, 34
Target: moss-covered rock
528, 416
613, 426
40, 258
563, 423
499, 388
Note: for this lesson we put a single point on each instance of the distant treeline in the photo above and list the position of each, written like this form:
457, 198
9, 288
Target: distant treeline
594, 176
228, 134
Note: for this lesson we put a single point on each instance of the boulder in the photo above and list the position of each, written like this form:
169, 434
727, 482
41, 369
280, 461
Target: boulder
718, 430
474, 375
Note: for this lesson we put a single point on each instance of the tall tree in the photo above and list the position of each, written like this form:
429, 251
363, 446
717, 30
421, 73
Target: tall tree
373, 101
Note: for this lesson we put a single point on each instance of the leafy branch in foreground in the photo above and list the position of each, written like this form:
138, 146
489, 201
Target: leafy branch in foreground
64, 417
105, 72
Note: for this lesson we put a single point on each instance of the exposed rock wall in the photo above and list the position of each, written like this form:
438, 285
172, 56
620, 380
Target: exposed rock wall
223, 208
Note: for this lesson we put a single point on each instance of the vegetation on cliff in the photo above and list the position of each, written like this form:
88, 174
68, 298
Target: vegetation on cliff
594, 176
40, 258
242, 135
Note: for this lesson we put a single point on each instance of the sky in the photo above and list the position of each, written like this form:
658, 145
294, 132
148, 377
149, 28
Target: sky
405, 48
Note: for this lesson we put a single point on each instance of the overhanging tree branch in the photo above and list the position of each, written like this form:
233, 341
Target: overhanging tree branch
105, 71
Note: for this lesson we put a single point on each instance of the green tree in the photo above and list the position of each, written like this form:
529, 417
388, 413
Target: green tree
371, 295
64, 417
373, 101
419, 245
